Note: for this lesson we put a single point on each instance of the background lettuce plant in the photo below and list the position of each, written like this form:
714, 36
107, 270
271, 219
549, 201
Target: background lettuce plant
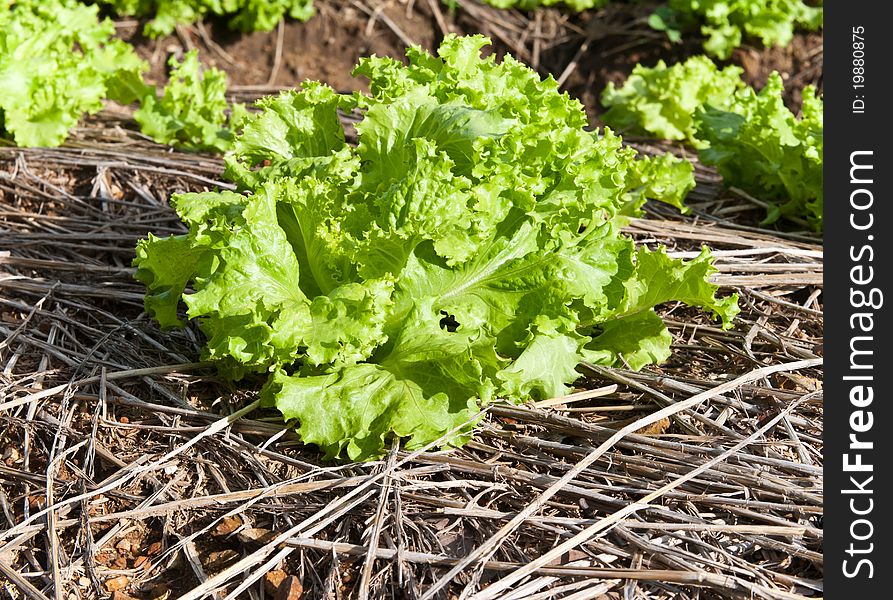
467, 248
726, 23
192, 112
58, 61
755, 142
759, 145
662, 101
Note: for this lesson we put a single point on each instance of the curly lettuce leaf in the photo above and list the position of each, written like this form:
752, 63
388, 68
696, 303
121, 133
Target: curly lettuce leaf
659, 278
429, 383
467, 248
636, 340
165, 267
664, 177
661, 101
294, 135
635, 335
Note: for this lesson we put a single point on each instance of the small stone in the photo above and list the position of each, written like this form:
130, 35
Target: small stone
140, 561
656, 428
273, 579
117, 583
227, 526
11, 455
123, 546
290, 589
153, 549
220, 559
255, 535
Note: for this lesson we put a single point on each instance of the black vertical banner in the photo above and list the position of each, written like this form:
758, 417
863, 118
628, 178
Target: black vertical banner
858, 258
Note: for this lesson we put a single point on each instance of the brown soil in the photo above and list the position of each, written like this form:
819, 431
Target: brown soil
326, 48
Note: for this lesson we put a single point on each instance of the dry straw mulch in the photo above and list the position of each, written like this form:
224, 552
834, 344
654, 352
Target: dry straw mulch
128, 467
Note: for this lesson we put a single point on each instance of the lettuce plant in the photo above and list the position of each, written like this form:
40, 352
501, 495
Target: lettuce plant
759, 145
244, 15
726, 22
751, 137
467, 248
192, 111
58, 62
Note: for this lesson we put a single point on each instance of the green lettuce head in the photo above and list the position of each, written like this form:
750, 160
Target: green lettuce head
467, 248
